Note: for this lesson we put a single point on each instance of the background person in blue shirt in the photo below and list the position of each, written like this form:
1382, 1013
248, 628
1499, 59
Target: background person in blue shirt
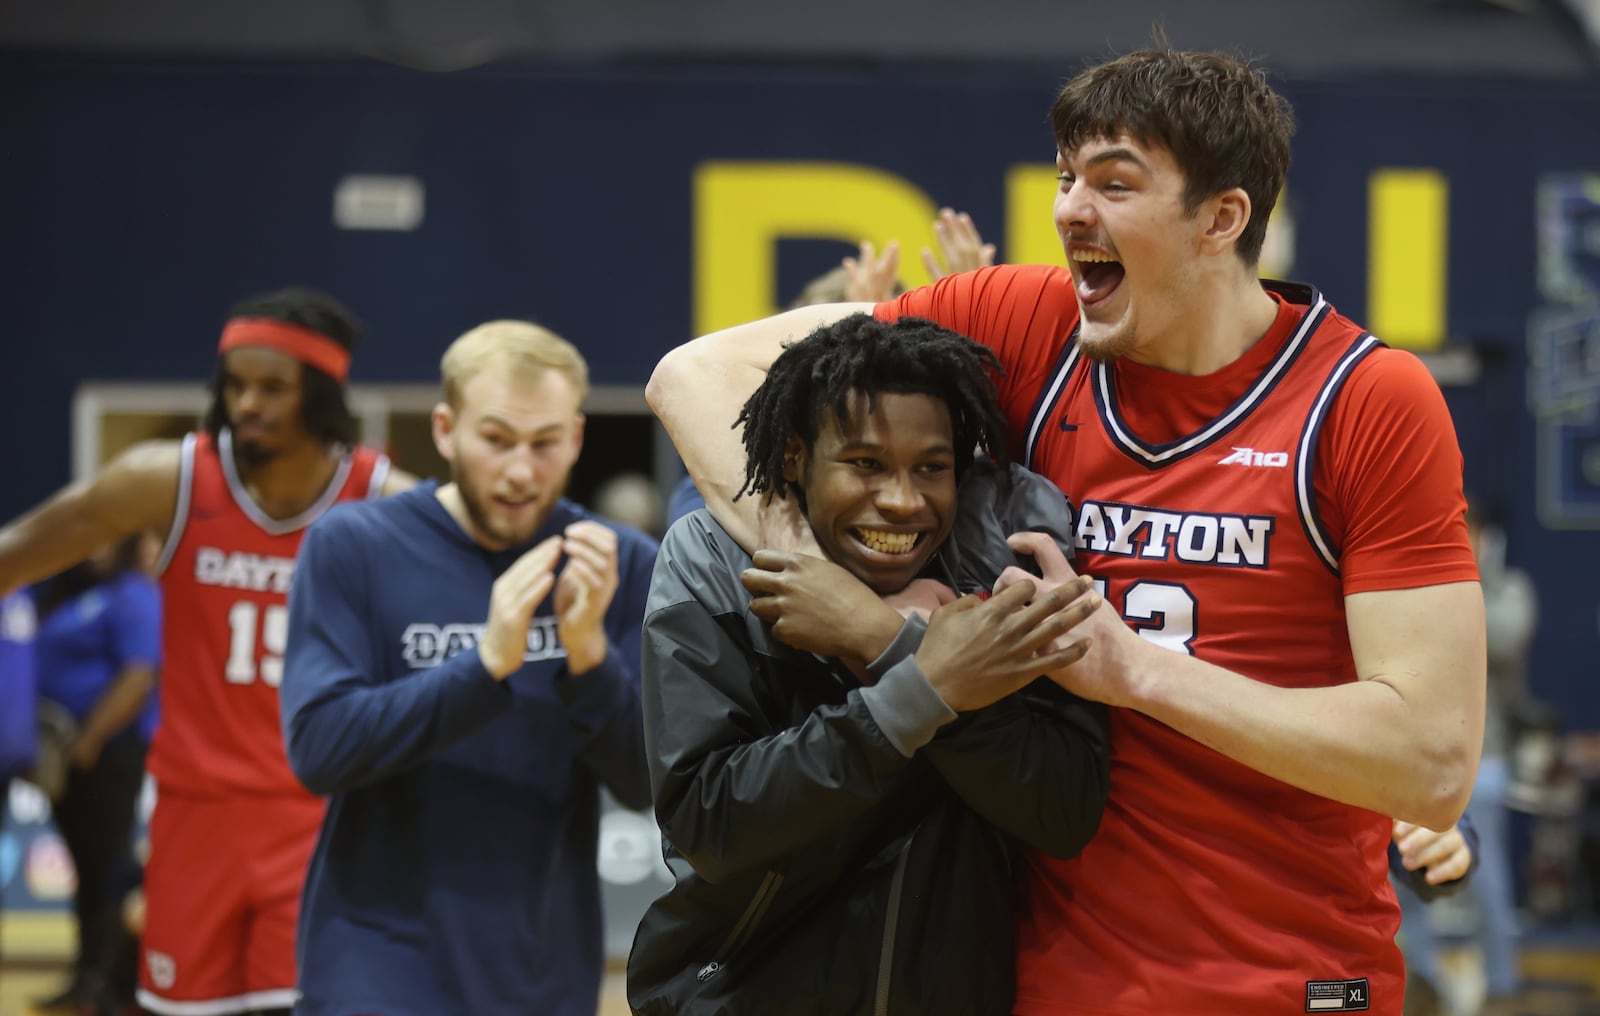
97, 652
462, 676
19, 729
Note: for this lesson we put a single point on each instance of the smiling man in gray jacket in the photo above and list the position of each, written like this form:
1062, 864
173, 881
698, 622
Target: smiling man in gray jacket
838, 787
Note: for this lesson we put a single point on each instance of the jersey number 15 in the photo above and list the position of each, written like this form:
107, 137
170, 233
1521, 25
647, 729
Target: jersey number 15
245, 620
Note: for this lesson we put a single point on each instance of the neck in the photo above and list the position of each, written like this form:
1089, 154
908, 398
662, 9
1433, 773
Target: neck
292, 480
449, 495
1234, 315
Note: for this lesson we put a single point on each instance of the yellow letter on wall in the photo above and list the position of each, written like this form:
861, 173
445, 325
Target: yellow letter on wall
742, 209
1031, 237
1407, 249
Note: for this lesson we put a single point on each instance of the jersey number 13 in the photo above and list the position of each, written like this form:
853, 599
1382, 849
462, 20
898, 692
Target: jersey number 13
1161, 612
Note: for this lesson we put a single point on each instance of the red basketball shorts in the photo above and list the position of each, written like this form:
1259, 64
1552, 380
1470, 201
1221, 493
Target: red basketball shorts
222, 894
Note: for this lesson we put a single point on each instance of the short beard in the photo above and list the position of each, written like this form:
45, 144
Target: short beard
479, 515
251, 455
1106, 350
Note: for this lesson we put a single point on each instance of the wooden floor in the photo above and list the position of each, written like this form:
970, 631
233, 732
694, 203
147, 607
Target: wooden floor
33, 964
20, 983
1563, 981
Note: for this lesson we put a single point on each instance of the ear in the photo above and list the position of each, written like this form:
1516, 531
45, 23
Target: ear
794, 461
444, 428
1223, 217
577, 434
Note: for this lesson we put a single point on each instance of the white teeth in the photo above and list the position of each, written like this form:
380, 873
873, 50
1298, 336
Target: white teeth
887, 543
1093, 257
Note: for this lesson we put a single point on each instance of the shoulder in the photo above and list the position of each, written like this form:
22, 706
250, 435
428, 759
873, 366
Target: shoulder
995, 502
1390, 394
150, 464
138, 488
355, 522
1392, 374
1011, 492
699, 561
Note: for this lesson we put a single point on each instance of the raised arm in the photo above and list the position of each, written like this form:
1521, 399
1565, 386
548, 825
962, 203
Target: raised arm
697, 391
137, 490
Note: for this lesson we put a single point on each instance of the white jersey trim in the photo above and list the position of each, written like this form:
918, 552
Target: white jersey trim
252, 511
380, 475
180, 512
1048, 404
1304, 482
1154, 456
277, 998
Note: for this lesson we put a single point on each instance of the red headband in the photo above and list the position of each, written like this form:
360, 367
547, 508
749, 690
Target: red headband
304, 345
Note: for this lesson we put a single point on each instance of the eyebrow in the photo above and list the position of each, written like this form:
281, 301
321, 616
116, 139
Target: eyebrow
1114, 155
870, 446
504, 424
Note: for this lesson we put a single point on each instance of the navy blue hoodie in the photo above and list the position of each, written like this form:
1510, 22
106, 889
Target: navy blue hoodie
455, 872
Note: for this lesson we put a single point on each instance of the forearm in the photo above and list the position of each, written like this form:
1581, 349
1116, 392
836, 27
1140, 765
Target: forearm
1363, 743
114, 711
50, 539
137, 490
602, 707
354, 733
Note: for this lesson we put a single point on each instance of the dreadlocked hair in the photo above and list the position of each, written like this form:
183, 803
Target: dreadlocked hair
859, 353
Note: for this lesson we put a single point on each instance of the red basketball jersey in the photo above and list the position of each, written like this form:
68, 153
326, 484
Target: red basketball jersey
225, 582
1209, 888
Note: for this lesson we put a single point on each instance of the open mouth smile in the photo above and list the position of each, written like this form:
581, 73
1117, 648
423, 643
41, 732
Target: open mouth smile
1099, 275
883, 541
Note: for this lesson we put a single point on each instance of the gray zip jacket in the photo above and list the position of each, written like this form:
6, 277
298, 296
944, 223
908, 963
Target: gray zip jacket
841, 848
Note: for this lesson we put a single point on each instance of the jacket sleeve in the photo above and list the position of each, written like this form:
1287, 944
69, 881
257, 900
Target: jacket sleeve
1036, 764
603, 704
346, 724
733, 790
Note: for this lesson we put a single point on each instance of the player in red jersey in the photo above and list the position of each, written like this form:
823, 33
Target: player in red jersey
1271, 501
233, 830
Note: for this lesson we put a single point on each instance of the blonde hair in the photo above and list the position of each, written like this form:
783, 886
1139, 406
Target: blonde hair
515, 346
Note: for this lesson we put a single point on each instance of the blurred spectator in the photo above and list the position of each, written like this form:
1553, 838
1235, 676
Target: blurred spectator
97, 652
1511, 615
18, 703
633, 500
19, 736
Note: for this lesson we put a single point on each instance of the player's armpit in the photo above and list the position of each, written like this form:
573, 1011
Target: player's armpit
138, 490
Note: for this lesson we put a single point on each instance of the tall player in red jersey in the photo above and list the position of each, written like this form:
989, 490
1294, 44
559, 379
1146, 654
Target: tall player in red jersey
233, 830
1269, 498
